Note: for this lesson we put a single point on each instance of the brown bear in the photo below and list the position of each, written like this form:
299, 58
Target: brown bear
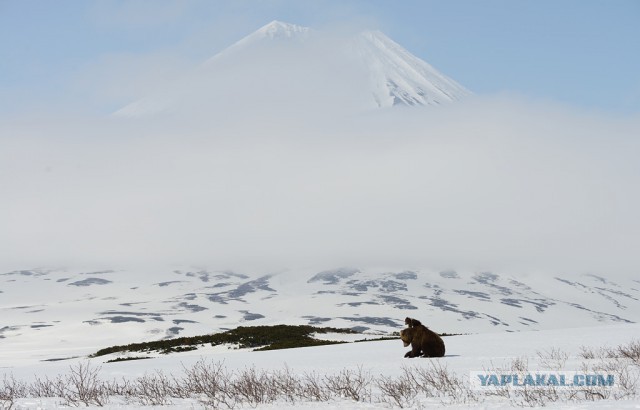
424, 342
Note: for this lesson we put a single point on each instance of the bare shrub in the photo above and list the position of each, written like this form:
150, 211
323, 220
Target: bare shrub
124, 388
285, 385
435, 380
210, 382
352, 384
520, 364
153, 389
623, 362
535, 397
312, 386
553, 359
590, 353
47, 387
82, 386
399, 391
627, 379
252, 387
626, 374
631, 351
590, 393
216, 387
10, 390
587, 353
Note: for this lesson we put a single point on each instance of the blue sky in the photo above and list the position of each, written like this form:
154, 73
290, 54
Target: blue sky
85, 55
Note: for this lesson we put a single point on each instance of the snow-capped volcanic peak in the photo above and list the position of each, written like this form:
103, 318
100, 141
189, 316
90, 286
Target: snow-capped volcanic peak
274, 31
278, 29
293, 66
398, 77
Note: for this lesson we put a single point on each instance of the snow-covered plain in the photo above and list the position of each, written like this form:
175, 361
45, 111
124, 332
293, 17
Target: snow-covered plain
68, 315
465, 353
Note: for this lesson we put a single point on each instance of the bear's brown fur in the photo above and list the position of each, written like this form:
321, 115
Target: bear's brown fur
424, 342
412, 322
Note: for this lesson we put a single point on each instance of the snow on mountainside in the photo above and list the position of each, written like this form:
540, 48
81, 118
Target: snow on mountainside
284, 60
48, 312
398, 77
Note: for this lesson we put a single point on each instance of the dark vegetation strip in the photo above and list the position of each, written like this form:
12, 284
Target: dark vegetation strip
256, 337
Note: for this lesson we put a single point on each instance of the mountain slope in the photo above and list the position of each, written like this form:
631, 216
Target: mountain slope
400, 78
287, 64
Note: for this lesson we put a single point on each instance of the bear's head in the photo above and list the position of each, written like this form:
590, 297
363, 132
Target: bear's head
407, 336
412, 322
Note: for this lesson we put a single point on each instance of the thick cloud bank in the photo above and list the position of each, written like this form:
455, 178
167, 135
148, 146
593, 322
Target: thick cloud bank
486, 184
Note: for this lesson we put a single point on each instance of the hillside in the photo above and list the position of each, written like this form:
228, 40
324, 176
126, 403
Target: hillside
51, 313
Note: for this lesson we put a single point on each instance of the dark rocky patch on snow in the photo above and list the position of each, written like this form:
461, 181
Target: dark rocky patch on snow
472, 294
171, 282
39, 326
406, 275
180, 321
34, 272
174, 331
489, 279
314, 320
332, 277
449, 274
90, 282
397, 302
192, 308
124, 319
356, 304
251, 287
250, 316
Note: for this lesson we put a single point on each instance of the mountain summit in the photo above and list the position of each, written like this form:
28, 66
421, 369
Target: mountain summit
278, 29
283, 64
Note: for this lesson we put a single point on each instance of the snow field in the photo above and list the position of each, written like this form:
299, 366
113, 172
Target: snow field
376, 361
